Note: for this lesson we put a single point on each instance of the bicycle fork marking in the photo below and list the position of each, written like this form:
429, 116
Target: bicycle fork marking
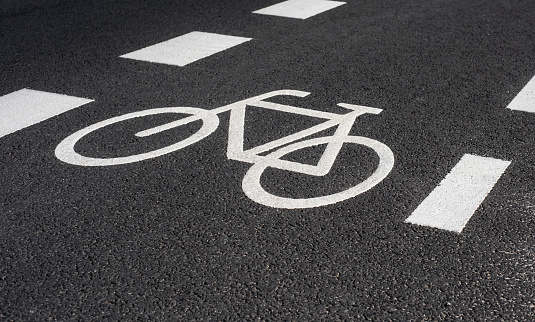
280, 147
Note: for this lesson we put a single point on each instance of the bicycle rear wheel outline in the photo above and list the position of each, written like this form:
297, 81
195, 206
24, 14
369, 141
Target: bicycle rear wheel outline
253, 189
66, 153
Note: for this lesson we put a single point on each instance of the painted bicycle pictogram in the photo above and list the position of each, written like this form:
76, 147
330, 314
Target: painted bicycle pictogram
251, 186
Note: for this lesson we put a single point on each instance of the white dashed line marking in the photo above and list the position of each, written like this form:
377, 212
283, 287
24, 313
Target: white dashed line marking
300, 9
186, 49
525, 100
458, 196
26, 107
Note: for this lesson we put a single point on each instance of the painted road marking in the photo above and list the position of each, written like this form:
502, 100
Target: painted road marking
251, 182
300, 9
525, 100
186, 49
458, 196
26, 107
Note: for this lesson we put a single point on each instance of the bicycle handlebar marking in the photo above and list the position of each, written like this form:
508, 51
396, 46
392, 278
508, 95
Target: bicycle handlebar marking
251, 183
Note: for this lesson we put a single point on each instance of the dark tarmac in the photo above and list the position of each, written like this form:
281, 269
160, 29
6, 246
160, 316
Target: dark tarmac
175, 238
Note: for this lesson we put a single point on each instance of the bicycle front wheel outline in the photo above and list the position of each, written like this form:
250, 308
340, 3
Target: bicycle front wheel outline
253, 189
66, 153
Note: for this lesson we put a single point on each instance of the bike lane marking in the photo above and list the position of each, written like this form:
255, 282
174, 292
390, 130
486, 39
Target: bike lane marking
451, 204
300, 9
186, 49
525, 100
27, 107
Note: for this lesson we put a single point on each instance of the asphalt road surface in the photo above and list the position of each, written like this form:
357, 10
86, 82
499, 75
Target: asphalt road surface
422, 208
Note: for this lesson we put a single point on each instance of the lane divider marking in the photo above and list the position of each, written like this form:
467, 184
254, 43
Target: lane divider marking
525, 100
300, 9
451, 204
26, 107
186, 49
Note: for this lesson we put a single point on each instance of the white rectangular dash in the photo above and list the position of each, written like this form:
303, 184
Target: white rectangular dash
26, 107
525, 100
300, 9
460, 193
186, 49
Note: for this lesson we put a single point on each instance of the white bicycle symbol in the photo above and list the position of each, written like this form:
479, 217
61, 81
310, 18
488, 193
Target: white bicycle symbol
251, 182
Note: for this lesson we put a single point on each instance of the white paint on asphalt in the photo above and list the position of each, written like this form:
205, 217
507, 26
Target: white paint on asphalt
253, 189
186, 49
66, 152
300, 9
458, 196
525, 100
26, 107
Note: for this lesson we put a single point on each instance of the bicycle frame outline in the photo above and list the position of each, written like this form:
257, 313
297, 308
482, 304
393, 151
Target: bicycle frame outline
237, 110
